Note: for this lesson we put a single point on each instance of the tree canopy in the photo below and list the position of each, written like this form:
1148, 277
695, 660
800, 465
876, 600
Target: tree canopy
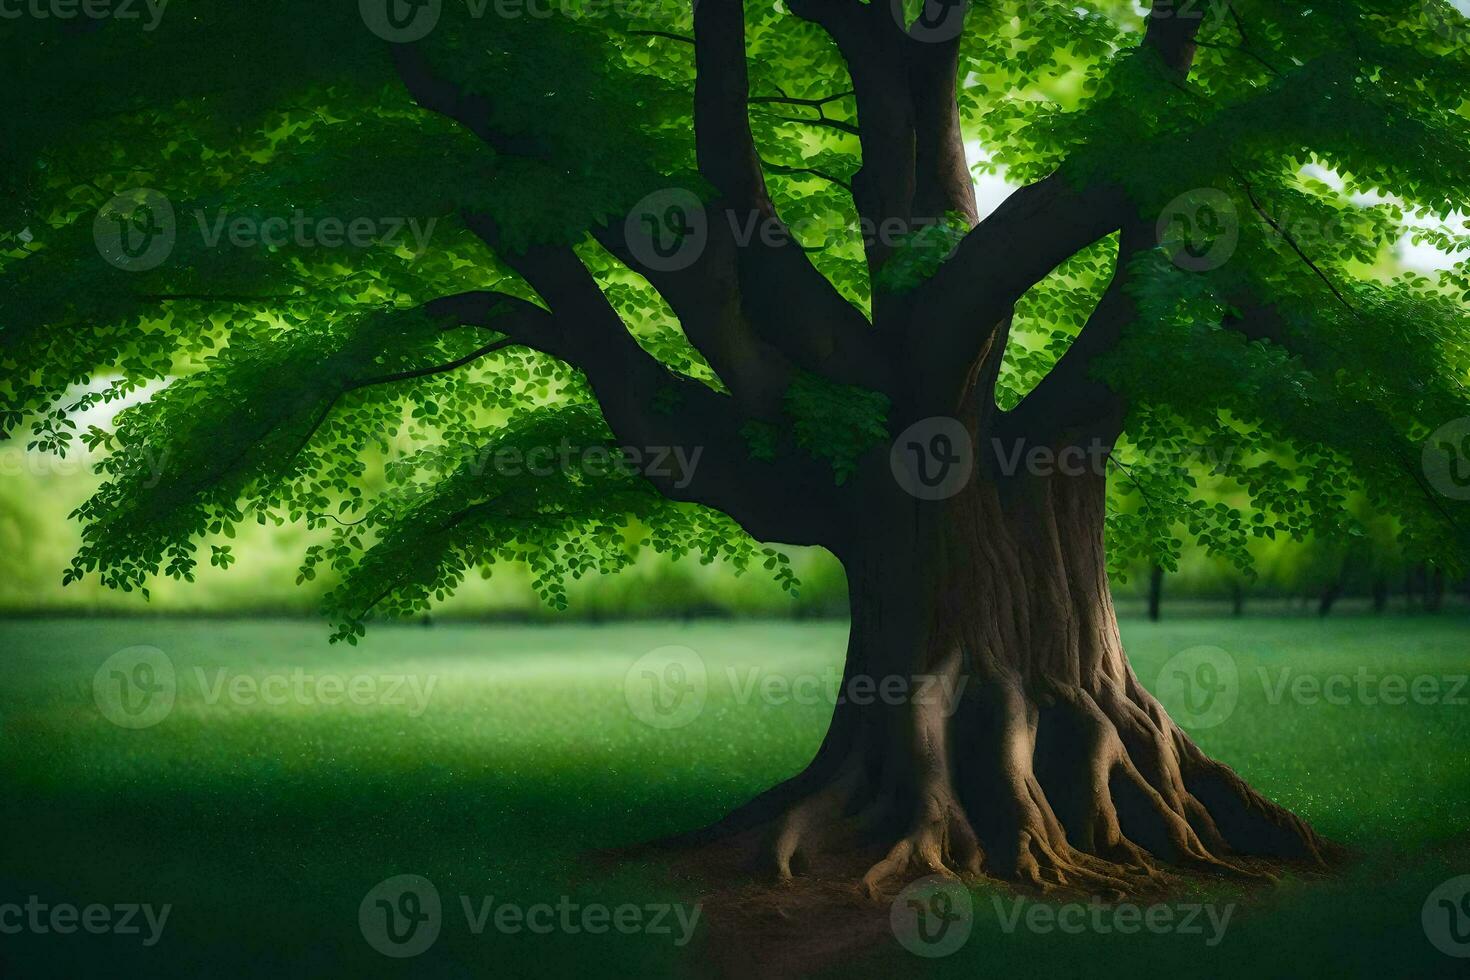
362, 231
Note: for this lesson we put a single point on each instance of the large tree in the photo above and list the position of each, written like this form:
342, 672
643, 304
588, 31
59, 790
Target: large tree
747, 239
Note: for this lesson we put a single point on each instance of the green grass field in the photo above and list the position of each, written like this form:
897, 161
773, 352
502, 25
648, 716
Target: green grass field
263, 825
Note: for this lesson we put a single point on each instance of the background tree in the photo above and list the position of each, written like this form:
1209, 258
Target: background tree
754, 235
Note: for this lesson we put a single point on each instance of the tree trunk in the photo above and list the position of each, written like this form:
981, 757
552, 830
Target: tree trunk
1237, 599
1023, 745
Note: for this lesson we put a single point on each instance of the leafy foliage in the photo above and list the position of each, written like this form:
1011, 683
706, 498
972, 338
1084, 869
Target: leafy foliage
1326, 127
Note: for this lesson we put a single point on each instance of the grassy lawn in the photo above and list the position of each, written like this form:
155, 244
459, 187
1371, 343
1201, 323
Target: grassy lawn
265, 804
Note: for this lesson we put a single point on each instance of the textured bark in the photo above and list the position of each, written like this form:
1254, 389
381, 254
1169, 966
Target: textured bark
1052, 767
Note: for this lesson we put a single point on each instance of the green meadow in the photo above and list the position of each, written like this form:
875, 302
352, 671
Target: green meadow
289, 777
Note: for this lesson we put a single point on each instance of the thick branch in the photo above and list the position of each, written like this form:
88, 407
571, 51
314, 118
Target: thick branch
942, 182
1029, 235
748, 302
588, 334
723, 143
438, 94
876, 50
1037, 228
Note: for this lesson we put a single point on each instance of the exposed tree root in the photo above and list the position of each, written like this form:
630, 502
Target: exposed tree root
1076, 791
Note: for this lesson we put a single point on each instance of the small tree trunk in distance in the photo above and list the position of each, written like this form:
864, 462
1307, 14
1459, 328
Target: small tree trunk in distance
1380, 594
1237, 598
1329, 598
1416, 586
1434, 592
1155, 592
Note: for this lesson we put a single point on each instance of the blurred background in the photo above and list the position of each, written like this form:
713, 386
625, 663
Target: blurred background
38, 492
